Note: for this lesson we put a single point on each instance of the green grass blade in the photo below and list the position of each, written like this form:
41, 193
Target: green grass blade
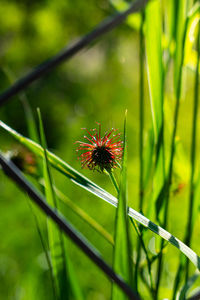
170, 19
60, 165
56, 243
85, 183
180, 25
65, 280
191, 214
191, 54
122, 263
155, 80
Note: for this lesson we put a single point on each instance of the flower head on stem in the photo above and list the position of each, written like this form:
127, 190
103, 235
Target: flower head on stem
101, 153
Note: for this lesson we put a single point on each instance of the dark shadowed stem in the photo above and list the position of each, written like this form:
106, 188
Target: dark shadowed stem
104, 27
169, 175
188, 233
141, 139
14, 173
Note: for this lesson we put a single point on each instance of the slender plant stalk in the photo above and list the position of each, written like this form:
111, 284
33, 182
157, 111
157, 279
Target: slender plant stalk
133, 222
182, 262
141, 140
188, 233
169, 175
113, 180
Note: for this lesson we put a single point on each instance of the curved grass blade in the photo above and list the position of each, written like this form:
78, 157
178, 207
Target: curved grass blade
122, 262
65, 280
85, 183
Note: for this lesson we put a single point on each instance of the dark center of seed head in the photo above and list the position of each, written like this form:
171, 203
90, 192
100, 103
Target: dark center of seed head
102, 156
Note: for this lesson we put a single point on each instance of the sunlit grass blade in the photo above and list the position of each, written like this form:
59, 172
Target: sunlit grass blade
155, 80
156, 86
85, 183
65, 280
60, 165
122, 263
170, 19
190, 53
180, 31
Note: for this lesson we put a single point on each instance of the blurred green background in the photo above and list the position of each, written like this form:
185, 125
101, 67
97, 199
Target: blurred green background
97, 85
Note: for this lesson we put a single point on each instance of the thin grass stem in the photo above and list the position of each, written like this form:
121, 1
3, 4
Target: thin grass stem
113, 180
169, 175
188, 233
133, 222
169, 179
141, 139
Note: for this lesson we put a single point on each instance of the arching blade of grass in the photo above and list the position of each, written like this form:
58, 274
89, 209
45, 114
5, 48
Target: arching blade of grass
122, 262
155, 80
85, 183
66, 283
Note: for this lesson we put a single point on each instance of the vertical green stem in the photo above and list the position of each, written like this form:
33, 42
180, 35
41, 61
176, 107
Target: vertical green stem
169, 175
141, 139
114, 181
141, 133
188, 233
